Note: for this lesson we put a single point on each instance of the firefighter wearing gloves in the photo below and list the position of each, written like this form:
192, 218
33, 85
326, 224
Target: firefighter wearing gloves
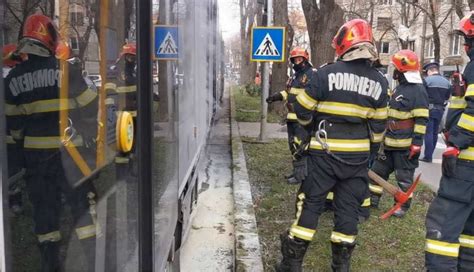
345, 104
299, 57
406, 127
33, 114
14, 147
450, 217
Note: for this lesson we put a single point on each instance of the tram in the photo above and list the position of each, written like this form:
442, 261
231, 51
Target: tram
141, 165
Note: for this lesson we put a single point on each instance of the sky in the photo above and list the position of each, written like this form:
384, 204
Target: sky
229, 18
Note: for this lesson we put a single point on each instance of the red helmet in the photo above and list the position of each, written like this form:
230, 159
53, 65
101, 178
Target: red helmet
466, 26
63, 51
351, 34
129, 48
405, 61
299, 52
41, 28
7, 53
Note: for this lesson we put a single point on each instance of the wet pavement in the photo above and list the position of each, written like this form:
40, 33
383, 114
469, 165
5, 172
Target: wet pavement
209, 245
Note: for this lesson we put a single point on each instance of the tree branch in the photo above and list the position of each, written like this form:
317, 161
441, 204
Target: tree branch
13, 13
445, 18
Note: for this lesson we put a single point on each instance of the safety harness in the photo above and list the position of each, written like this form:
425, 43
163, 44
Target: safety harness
322, 136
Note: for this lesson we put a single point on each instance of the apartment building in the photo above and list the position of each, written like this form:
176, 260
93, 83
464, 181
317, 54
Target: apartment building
398, 24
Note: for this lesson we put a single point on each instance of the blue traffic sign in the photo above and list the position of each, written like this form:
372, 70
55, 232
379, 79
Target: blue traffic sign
166, 42
268, 44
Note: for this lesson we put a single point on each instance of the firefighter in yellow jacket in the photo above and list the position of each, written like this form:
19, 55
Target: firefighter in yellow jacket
299, 57
345, 103
407, 118
33, 109
450, 217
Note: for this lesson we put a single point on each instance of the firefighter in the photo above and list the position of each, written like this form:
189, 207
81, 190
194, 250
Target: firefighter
345, 103
14, 147
33, 96
406, 127
299, 58
439, 91
450, 217
128, 77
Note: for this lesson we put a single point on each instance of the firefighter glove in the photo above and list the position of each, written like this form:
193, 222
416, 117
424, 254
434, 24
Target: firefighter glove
414, 151
300, 167
274, 97
450, 156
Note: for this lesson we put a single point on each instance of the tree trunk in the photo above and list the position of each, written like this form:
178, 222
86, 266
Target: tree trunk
248, 12
323, 21
436, 42
458, 7
280, 69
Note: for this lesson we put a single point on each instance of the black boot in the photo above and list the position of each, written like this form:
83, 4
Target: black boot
293, 250
49, 256
341, 256
374, 201
403, 209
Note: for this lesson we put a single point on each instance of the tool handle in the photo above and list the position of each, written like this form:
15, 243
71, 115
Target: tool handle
391, 189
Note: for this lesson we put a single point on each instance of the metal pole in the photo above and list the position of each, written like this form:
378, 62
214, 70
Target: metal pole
265, 81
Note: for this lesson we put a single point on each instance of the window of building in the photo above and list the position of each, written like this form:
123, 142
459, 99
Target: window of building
77, 18
385, 47
455, 44
384, 23
429, 47
386, 2
411, 45
74, 43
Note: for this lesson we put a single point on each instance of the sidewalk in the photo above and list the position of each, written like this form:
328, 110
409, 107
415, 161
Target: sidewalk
210, 242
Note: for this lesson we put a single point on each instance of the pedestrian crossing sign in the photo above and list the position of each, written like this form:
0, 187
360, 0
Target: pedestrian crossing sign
268, 44
166, 42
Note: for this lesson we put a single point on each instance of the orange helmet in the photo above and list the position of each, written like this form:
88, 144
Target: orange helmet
299, 52
41, 28
351, 34
63, 51
7, 53
405, 61
129, 48
466, 26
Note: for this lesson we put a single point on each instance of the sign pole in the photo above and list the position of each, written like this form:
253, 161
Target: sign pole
265, 82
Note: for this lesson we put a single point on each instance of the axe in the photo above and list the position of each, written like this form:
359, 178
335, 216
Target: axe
400, 196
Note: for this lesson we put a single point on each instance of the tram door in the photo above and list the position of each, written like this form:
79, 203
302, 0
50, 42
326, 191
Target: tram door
70, 128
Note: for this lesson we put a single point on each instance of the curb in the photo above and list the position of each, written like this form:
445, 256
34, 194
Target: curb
248, 256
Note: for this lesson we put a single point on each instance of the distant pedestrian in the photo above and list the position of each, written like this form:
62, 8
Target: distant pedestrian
438, 89
258, 79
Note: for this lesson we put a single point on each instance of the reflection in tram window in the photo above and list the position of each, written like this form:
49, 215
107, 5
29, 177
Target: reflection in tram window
72, 109
72, 175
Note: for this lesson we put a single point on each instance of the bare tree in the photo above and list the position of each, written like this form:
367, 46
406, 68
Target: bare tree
280, 69
323, 19
20, 10
435, 18
459, 7
249, 11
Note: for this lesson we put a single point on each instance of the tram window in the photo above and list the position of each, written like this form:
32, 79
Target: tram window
72, 180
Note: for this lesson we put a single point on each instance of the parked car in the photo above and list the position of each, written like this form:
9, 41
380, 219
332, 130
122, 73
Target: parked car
96, 79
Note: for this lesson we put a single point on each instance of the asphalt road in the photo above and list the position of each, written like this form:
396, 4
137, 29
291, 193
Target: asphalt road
431, 172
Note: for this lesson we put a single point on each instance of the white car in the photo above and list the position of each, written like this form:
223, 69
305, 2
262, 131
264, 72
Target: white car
96, 79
